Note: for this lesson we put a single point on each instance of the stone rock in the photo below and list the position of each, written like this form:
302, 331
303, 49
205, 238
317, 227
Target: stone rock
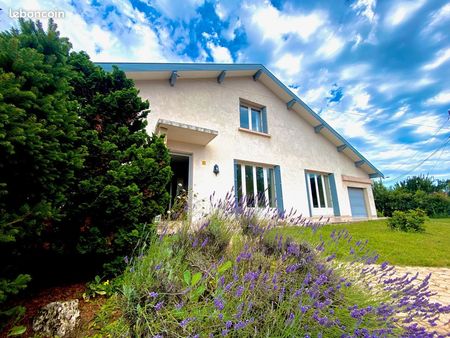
57, 318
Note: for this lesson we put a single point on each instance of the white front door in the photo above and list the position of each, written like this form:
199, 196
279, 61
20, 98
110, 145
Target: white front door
320, 194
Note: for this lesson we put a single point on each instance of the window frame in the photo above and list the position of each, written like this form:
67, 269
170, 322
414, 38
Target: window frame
324, 198
269, 199
261, 121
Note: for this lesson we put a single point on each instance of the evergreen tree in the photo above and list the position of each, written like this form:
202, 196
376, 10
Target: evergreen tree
122, 186
79, 175
40, 146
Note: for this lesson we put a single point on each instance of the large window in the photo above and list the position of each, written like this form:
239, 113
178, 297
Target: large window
255, 185
319, 193
253, 118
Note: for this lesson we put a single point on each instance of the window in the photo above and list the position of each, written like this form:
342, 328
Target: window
255, 185
319, 193
253, 118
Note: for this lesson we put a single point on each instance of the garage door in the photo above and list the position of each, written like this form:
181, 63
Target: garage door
357, 202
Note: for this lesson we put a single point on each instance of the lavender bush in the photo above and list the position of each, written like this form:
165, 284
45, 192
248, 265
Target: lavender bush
234, 276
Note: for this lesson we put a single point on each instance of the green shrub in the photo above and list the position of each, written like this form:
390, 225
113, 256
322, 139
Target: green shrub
436, 204
430, 195
408, 221
97, 287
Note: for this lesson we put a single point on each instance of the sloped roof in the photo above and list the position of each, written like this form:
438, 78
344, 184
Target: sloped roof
172, 71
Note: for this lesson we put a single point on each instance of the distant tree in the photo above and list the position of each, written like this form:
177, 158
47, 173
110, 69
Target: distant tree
423, 183
415, 192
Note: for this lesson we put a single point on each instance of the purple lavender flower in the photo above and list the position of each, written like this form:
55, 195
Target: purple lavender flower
205, 242
239, 291
186, 321
304, 308
125, 259
290, 319
221, 280
307, 279
228, 286
179, 306
251, 276
158, 267
153, 294
322, 279
159, 306
228, 324
281, 295
331, 257
239, 325
218, 303
243, 256
240, 309
292, 268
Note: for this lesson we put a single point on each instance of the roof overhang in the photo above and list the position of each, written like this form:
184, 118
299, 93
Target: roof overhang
181, 132
173, 71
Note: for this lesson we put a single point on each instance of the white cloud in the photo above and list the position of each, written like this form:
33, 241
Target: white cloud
402, 111
353, 114
203, 55
392, 85
289, 63
220, 11
350, 125
442, 57
273, 24
315, 96
427, 124
354, 71
358, 39
233, 25
360, 97
123, 35
440, 16
331, 46
441, 98
394, 152
219, 53
225, 8
178, 9
365, 8
403, 11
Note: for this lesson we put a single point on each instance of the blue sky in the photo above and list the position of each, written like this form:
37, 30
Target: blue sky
377, 71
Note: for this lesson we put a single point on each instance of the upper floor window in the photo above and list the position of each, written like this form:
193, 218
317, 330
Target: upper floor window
253, 118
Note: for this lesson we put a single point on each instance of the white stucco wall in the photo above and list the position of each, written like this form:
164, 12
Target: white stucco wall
293, 144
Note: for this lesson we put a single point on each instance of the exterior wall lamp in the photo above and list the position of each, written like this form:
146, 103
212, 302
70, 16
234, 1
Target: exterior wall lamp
216, 169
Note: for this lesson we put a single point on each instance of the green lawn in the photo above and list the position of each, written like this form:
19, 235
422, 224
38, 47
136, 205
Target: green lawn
431, 248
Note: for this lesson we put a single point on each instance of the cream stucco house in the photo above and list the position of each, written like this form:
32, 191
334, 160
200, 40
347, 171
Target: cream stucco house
237, 126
